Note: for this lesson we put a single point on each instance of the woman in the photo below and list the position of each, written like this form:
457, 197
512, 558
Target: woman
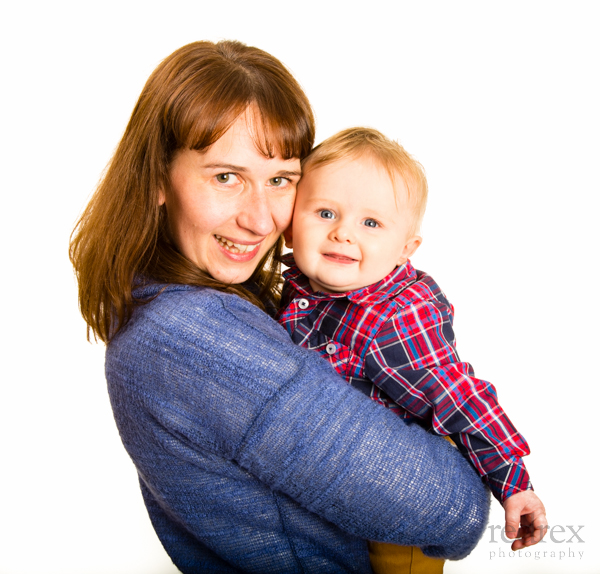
252, 455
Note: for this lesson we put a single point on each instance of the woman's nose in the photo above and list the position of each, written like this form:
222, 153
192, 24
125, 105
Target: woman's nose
255, 213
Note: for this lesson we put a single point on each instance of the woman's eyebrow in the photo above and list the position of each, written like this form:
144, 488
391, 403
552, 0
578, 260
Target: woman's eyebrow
228, 166
285, 173
240, 169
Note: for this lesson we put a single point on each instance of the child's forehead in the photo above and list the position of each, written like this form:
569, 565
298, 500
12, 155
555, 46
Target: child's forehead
345, 169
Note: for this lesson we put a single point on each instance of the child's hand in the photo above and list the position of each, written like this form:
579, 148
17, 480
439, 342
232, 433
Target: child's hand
525, 519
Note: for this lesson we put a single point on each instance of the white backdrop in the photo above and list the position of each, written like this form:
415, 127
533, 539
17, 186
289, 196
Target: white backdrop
499, 101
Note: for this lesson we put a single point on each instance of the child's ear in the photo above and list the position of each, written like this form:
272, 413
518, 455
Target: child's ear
161, 197
287, 235
409, 249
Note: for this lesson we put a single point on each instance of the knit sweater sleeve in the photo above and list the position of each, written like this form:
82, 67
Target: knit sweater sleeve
222, 378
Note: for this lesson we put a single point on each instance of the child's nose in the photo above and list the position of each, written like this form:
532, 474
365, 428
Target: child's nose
343, 234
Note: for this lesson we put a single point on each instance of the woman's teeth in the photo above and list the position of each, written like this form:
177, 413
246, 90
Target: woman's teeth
234, 247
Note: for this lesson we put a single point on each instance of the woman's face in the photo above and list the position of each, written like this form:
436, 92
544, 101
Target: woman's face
228, 204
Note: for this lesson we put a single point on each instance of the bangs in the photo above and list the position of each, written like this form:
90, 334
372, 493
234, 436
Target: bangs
280, 124
278, 128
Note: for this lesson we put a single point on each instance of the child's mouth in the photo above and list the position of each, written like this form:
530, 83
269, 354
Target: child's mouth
338, 258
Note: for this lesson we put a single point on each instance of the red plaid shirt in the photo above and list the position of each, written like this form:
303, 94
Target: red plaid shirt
394, 341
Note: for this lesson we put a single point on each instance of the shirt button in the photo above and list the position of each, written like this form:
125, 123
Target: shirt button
303, 303
331, 348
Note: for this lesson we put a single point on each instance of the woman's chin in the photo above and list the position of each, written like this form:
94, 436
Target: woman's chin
232, 276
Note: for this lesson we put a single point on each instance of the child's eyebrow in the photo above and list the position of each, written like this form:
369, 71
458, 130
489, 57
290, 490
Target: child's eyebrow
321, 201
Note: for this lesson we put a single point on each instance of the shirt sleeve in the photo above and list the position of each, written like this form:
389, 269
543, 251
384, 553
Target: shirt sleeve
414, 361
223, 378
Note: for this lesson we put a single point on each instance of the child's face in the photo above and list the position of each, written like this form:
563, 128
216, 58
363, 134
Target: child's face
350, 228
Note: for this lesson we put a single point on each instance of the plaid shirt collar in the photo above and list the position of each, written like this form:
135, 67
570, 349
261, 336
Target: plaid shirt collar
398, 280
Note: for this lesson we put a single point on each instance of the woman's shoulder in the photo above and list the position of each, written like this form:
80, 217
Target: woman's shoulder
189, 345
171, 311
156, 298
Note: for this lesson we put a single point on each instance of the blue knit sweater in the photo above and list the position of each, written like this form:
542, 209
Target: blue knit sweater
254, 456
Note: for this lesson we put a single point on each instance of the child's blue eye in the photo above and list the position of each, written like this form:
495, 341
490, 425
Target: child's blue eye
326, 214
371, 223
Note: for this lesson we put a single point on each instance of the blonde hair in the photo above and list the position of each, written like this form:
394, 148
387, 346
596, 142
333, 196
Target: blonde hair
189, 102
389, 154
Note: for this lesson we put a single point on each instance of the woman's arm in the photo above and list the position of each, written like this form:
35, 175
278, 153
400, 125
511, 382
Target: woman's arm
223, 378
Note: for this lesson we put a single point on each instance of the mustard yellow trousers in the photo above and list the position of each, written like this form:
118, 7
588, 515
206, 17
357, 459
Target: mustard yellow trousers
394, 559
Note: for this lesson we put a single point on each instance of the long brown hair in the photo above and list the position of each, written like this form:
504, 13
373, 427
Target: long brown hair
189, 101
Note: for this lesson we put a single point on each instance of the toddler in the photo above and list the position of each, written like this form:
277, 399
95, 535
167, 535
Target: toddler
352, 294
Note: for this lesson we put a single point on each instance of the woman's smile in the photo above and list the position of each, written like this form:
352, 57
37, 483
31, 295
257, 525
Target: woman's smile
238, 252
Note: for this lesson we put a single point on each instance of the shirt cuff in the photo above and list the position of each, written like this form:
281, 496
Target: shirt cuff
509, 480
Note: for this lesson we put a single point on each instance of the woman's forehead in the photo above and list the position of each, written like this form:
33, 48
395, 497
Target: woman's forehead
245, 138
237, 151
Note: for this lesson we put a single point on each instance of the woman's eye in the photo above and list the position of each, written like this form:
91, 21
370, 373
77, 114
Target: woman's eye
278, 181
371, 223
326, 214
226, 177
